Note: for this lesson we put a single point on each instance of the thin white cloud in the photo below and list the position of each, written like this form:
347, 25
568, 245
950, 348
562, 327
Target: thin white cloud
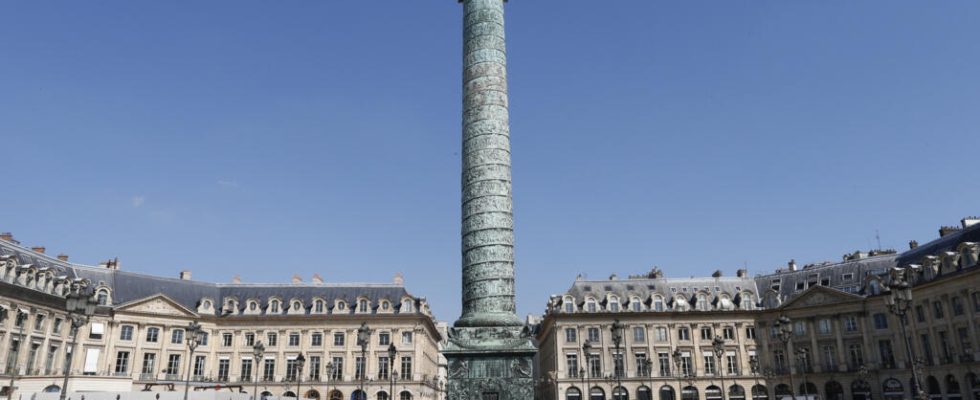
138, 201
227, 184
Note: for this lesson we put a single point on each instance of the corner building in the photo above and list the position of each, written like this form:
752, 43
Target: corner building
842, 340
136, 339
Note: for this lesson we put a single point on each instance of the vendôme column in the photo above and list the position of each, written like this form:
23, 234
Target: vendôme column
487, 219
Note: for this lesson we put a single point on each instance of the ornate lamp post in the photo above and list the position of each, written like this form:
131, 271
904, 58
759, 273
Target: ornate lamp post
784, 329
648, 364
617, 337
13, 374
363, 338
80, 307
802, 359
586, 348
392, 352
718, 345
192, 334
678, 366
899, 300
330, 369
258, 350
300, 362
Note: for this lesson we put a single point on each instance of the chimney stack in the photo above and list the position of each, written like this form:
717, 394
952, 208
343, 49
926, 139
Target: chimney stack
913, 244
185, 275
317, 279
716, 274
969, 221
399, 279
946, 230
63, 257
7, 236
742, 273
236, 279
38, 249
791, 265
297, 279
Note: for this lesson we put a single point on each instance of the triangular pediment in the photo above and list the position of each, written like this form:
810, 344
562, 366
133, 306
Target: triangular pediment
158, 304
820, 296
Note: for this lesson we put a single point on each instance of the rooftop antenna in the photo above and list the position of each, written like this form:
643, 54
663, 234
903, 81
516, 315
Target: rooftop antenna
878, 239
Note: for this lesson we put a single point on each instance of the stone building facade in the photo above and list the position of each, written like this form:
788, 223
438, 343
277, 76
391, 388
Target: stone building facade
137, 339
841, 341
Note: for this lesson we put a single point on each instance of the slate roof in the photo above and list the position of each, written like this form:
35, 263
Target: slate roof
130, 286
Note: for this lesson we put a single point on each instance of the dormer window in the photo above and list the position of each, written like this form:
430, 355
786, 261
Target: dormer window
590, 306
207, 304
614, 305
274, 306
341, 306
385, 306
103, 297
702, 303
362, 306
318, 306
253, 306
658, 304
635, 305
406, 306
569, 307
297, 306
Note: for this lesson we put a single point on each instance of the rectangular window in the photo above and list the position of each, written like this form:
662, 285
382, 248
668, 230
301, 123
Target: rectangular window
955, 302
406, 371
927, 348
49, 362
316, 339
294, 339
315, 368
684, 334
406, 337
728, 333
359, 368
226, 339
203, 338
269, 370
705, 333
149, 364
271, 339
338, 369
799, 328
39, 322
920, 313
850, 324
750, 332
199, 366
571, 364
96, 330
177, 336
126, 332
571, 335
731, 363
885, 351
664, 360
246, 370
642, 369
687, 367
152, 335
823, 326
593, 334
292, 368
881, 321
122, 362
338, 339
779, 360
856, 355
173, 365
595, 365
709, 363
639, 334
976, 302
828, 358
250, 339
661, 333
966, 345
224, 367
384, 338
619, 368
57, 326
383, 368
944, 346
937, 310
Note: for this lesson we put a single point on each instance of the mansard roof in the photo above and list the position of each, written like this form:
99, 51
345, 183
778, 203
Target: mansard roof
646, 288
847, 276
128, 286
948, 242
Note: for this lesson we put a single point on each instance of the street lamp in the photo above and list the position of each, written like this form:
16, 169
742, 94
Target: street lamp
192, 335
899, 300
258, 350
22, 317
330, 369
80, 306
392, 352
363, 337
300, 362
718, 345
586, 349
784, 328
802, 359
617, 337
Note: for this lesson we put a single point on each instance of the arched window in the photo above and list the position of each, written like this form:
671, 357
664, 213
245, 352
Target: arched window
358, 395
760, 392
103, 297
891, 389
643, 393
667, 393
341, 306
362, 306
808, 389
252, 306
406, 308
620, 393
266, 395
932, 386
702, 304
712, 393
385, 305
289, 393
973, 383
590, 305
336, 395
597, 393
405, 395
736, 392
381, 395
658, 305
635, 304
52, 389
748, 301
313, 394
614, 304
782, 390
725, 303
952, 388
274, 306
833, 390
207, 304
296, 306
690, 393
573, 394
318, 306
860, 390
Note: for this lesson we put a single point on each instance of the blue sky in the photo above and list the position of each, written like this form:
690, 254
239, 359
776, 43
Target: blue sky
267, 138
